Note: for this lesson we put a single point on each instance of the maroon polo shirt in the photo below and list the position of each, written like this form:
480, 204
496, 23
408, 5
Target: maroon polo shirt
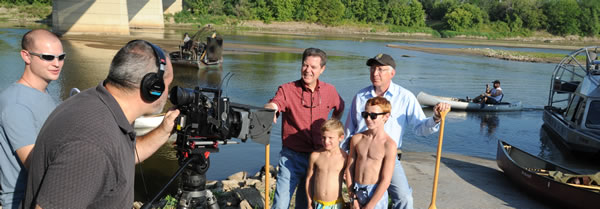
304, 111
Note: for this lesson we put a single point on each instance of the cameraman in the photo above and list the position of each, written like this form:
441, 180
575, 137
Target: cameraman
86, 151
305, 104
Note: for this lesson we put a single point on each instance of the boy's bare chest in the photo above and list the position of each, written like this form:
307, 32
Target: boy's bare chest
371, 150
330, 163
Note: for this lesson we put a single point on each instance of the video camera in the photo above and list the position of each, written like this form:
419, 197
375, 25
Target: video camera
216, 118
207, 119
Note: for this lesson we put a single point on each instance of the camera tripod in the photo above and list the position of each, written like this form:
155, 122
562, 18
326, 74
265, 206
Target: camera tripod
192, 192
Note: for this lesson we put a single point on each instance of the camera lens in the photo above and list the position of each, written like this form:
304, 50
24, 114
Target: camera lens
181, 96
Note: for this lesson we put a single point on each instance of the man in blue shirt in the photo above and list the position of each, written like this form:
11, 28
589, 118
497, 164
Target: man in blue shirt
24, 107
406, 111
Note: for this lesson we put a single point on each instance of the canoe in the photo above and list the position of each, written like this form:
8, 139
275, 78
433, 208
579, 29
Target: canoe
531, 173
462, 104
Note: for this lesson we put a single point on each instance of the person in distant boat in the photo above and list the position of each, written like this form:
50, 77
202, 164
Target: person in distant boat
85, 154
406, 112
491, 96
187, 43
304, 104
24, 107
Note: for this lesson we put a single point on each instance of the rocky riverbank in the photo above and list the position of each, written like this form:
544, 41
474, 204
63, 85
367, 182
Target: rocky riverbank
479, 178
239, 190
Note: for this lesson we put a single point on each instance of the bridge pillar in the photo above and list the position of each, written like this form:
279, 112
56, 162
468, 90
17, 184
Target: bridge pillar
145, 13
90, 16
172, 6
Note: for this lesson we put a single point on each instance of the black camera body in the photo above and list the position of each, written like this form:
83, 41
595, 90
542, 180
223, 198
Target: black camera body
207, 119
207, 116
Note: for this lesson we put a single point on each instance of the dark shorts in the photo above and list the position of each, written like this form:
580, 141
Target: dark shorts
491, 100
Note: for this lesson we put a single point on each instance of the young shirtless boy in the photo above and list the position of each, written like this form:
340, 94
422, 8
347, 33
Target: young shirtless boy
326, 169
370, 163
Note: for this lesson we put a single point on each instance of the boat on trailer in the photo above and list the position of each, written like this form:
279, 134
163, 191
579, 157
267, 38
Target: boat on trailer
536, 175
573, 110
463, 104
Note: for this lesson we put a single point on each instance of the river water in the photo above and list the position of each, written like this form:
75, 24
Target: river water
258, 73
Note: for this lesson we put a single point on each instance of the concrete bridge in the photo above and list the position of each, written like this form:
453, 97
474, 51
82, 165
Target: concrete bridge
110, 16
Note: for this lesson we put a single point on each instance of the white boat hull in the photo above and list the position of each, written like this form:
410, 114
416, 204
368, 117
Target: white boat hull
456, 104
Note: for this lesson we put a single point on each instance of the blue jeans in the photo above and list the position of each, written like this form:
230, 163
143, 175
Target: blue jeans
400, 191
292, 173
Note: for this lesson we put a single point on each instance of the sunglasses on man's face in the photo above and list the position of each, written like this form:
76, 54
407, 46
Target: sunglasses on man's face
373, 115
49, 57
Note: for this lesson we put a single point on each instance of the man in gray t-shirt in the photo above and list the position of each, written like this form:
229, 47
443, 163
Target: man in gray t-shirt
24, 107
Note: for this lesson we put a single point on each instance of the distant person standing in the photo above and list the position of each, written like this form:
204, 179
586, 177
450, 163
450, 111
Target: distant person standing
24, 107
304, 104
406, 112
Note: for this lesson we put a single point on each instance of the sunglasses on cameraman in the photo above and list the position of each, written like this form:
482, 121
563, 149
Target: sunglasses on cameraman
49, 57
371, 114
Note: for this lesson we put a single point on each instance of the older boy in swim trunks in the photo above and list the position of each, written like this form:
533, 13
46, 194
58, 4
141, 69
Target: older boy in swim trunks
370, 163
326, 169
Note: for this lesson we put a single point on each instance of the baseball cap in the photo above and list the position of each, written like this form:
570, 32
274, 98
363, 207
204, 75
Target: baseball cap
496, 81
382, 59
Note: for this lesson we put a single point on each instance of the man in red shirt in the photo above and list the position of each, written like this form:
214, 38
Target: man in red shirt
305, 105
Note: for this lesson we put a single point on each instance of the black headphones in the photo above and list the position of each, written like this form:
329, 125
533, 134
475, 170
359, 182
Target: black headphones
153, 85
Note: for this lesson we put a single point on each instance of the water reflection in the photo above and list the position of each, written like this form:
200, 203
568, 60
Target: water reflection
489, 123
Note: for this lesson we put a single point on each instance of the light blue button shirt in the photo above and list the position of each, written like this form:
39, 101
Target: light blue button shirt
406, 111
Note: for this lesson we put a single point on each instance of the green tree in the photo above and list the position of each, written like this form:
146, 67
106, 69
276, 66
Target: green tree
405, 13
284, 10
464, 16
374, 11
198, 7
440, 9
514, 22
307, 10
589, 18
239, 8
562, 16
215, 7
357, 9
331, 11
262, 10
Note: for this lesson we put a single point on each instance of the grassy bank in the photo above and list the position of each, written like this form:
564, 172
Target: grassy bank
36, 12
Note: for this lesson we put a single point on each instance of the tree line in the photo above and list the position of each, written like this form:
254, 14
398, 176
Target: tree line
504, 17
518, 17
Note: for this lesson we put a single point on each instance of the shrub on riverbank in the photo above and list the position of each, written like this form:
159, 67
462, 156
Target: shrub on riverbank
25, 9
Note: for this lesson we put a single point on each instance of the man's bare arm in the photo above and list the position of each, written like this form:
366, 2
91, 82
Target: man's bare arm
272, 106
23, 154
148, 144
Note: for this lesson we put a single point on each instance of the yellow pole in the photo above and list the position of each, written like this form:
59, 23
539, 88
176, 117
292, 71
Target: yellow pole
437, 160
267, 176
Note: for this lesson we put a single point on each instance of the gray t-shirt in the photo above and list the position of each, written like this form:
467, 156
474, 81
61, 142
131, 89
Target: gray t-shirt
23, 111
83, 156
